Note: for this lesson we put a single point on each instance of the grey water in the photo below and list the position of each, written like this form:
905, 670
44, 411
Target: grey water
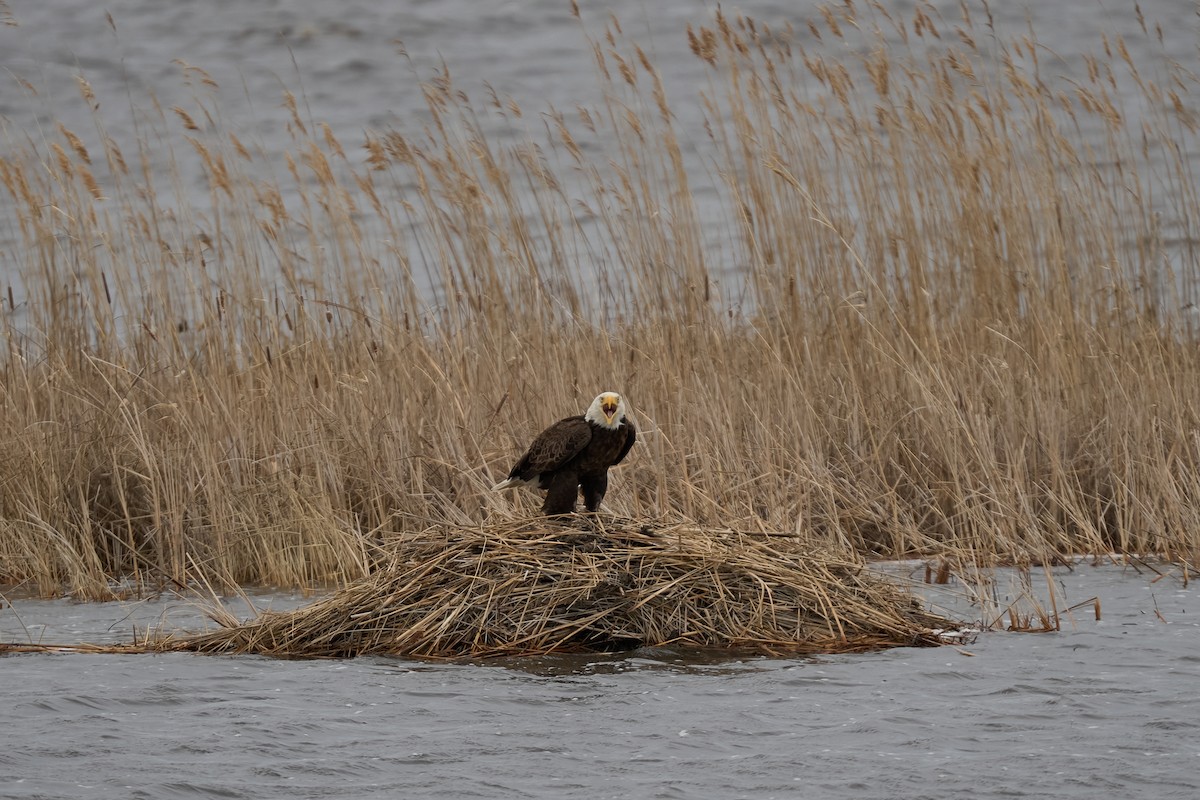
1102, 708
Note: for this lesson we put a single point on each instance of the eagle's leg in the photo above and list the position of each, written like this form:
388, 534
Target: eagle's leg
561, 493
594, 487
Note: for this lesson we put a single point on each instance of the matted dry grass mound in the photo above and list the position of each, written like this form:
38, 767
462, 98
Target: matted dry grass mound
542, 587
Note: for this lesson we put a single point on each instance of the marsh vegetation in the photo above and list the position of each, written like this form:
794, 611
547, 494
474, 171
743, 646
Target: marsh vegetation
949, 310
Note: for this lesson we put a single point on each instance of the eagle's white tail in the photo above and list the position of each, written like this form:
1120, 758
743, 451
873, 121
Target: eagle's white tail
508, 483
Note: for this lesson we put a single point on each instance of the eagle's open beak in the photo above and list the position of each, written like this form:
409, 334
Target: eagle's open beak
609, 409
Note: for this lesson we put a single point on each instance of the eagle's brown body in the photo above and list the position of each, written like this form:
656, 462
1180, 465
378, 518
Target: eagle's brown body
575, 453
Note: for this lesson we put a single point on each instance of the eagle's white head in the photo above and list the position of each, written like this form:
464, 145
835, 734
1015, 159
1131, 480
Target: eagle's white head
607, 410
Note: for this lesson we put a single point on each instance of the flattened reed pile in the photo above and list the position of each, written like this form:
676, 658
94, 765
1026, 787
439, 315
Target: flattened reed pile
541, 587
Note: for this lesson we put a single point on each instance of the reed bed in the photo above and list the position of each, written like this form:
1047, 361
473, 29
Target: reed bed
526, 588
940, 301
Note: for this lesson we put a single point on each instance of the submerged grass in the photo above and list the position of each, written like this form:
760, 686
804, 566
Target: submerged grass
962, 323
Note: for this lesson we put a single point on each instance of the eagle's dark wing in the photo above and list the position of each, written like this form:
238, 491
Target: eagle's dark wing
555, 446
628, 441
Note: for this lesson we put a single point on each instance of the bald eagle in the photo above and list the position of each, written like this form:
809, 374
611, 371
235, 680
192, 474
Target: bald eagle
576, 452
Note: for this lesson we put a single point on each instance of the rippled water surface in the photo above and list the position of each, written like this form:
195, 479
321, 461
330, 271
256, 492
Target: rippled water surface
1102, 709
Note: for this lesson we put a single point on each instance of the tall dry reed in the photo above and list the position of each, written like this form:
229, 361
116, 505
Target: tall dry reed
946, 308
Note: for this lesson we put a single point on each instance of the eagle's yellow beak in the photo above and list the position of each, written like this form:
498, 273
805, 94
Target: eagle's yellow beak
609, 406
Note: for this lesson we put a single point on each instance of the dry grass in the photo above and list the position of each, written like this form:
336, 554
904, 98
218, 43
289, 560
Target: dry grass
961, 327
537, 587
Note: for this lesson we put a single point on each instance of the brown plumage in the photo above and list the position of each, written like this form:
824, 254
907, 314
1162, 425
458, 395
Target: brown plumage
576, 452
